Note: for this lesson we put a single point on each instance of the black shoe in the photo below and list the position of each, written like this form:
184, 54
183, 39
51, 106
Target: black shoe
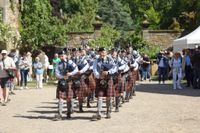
69, 116
108, 116
57, 117
96, 117
88, 106
3, 104
12, 93
116, 109
126, 100
123, 101
81, 110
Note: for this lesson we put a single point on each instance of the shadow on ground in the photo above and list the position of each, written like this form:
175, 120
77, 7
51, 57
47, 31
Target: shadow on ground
167, 89
48, 110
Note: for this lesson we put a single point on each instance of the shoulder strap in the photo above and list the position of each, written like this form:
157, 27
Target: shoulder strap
3, 63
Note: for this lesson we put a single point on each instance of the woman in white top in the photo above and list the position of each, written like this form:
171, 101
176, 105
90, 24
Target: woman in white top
176, 65
6, 64
24, 69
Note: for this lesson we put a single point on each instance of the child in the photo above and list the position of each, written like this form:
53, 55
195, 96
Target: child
39, 70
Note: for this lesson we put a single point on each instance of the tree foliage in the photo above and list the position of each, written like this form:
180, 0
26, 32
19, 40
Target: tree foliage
39, 27
47, 21
78, 14
116, 14
108, 37
8, 35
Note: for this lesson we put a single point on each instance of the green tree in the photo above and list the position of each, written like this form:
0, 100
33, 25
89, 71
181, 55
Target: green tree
8, 35
108, 37
116, 14
39, 27
145, 10
79, 15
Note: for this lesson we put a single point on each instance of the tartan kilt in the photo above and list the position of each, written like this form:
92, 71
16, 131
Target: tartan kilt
130, 81
68, 94
108, 91
91, 82
82, 91
119, 85
135, 76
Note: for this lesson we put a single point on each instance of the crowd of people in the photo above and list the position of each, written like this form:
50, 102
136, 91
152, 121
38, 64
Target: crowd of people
86, 74
18, 69
178, 66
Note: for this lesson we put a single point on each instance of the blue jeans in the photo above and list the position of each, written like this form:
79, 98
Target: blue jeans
162, 72
24, 74
144, 72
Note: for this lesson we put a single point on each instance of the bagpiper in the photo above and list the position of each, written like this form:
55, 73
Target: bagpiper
133, 64
90, 79
118, 80
104, 69
64, 72
79, 85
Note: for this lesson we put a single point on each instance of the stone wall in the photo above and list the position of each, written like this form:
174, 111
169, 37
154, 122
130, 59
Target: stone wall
81, 38
160, 38
10, 17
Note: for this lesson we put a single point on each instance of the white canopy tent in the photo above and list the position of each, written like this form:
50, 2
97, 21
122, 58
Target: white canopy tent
189, 41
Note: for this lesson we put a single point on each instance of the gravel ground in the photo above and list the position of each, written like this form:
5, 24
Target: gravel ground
155, 109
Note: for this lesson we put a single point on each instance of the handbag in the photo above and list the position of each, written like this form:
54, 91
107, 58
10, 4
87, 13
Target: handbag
11, 73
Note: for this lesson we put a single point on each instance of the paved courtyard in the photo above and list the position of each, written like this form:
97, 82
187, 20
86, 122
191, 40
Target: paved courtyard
155, 109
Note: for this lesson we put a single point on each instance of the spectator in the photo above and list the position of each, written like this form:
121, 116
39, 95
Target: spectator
196, 65
176, 65
30, 63
14, 54
45, 62
145, 67
162, 66
7, 66
55, 62
24, 69
38, 69
188, 68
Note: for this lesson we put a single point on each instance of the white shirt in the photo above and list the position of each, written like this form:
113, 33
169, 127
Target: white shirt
24, 63
7, 63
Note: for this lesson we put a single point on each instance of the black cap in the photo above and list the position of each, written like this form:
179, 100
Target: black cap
123, 51
79, 49
61, 52
74, 49
102, 49
114, 50
65, 49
